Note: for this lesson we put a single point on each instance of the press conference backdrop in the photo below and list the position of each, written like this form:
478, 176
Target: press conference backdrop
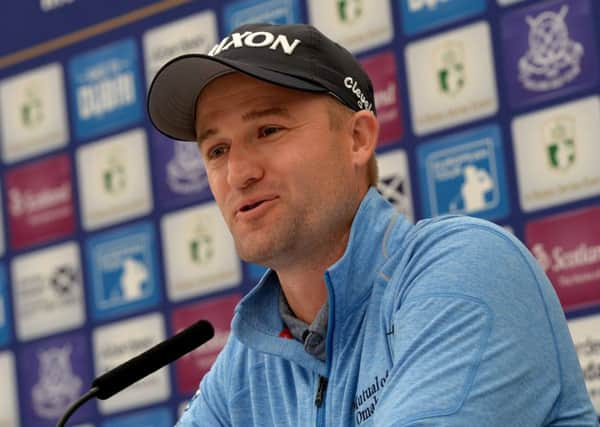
111, 240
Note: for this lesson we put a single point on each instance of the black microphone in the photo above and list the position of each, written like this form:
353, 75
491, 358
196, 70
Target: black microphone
115, 380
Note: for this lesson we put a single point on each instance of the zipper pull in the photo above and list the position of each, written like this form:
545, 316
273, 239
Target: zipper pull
321, 391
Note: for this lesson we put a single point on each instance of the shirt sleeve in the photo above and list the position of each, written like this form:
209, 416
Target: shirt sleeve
475, 339
208, 407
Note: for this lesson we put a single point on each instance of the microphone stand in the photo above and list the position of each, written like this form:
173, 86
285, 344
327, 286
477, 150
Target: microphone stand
75, 406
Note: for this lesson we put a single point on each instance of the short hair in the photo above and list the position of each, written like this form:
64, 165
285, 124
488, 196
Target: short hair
338, 115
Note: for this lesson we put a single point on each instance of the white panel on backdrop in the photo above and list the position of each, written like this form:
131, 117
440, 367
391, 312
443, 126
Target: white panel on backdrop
33, 113
587, 343
557, 153
48, 291
199, 252
119, 342
357, 25
192, 34
451, 78
114, 179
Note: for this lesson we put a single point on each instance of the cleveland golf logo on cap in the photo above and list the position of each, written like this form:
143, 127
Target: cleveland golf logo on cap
256, 39
363, 102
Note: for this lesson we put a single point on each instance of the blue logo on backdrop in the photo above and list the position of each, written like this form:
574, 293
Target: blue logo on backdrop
123, 271
421, 15
156, 417
464, 174
271, 11
179, 172
106, 91
5, 324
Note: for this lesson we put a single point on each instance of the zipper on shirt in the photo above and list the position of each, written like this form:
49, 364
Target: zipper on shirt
321, 391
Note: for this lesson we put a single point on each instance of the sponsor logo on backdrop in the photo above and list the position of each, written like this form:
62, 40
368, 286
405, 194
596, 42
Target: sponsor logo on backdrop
105, 87
123, 271
357, 25
47, 285
155, 417
114, 180
394, 181
381, 68
549, 50
556, 153
451, 78
34, 117
587, 343
179, 170
117, 342
9, 412
421, 15
464, 174
192, 366
192, 34
54, 373
40, 201
567, 247
200, 255
271, 11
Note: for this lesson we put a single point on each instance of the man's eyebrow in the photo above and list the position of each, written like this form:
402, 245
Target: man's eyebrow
205, 135
272, 111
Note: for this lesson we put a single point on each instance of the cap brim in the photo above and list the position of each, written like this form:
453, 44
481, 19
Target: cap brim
174, 91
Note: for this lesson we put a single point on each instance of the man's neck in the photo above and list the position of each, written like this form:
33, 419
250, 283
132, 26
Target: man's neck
305, 294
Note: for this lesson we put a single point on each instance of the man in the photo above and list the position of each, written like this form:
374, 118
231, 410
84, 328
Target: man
362, 318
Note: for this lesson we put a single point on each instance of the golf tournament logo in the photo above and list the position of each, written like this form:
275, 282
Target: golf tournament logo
114, 179
450, 69
124, 271
200, 254
357, 25
34, 116
451, 78
464, 174
556, 153
559, 138
549, 50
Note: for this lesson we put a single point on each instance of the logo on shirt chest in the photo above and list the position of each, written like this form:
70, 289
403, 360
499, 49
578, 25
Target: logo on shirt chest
367, 398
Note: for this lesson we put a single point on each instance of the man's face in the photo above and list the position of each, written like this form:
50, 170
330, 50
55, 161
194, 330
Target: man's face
285, 179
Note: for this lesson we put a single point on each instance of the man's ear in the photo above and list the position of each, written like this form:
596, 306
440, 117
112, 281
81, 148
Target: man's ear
365, 133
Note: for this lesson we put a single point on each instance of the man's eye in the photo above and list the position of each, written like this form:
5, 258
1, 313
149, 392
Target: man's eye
268, 130
216, 152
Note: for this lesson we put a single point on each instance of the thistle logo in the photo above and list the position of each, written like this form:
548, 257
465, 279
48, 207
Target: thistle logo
450, 67
553, 59
57, 385
201, 247
114, 177
559, 140
349, 11
32, 108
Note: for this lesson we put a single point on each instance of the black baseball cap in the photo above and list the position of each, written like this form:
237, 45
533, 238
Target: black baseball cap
297, 56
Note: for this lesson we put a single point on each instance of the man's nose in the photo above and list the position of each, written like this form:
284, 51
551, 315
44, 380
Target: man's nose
244, 166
